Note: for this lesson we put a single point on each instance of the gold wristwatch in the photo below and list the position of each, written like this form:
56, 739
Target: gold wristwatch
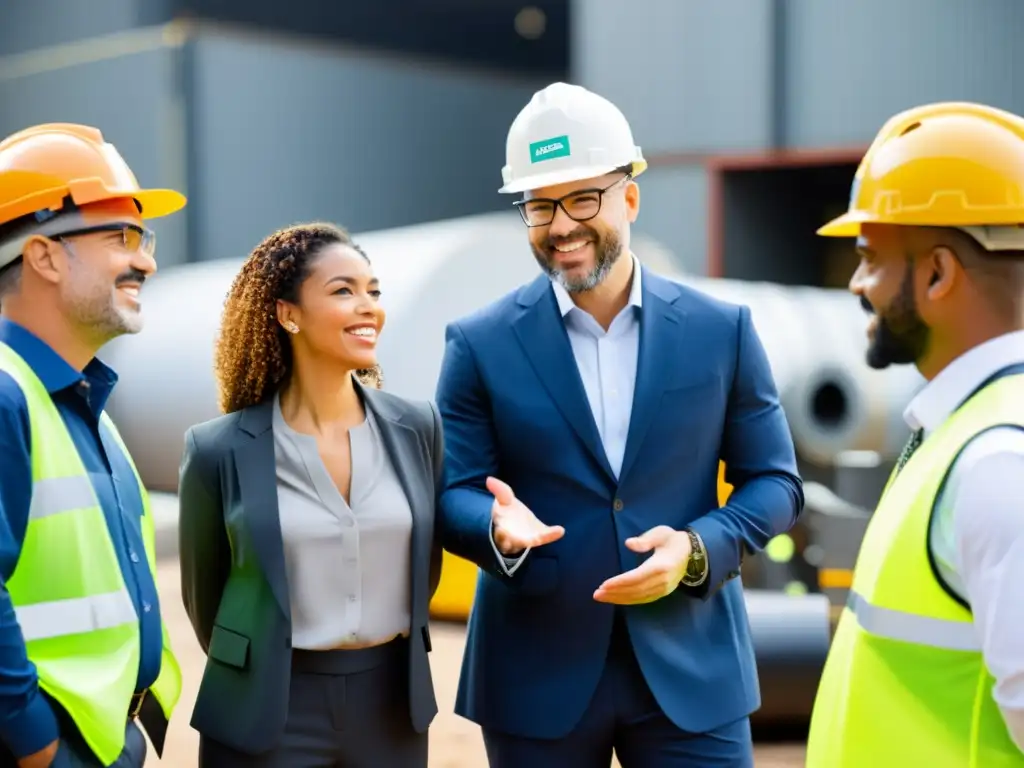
697, 565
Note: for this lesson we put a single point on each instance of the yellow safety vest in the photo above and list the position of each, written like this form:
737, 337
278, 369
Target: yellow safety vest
76, 615
905, 684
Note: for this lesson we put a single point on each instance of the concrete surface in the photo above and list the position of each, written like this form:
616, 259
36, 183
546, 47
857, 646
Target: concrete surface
454, 742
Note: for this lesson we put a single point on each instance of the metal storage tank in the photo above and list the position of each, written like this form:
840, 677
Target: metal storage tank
434, 273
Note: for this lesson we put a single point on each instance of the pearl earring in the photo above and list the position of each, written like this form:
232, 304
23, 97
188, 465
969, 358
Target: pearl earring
292, 328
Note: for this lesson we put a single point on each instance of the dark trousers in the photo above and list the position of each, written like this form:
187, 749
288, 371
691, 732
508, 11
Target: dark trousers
623, 716
73, 752
347, 709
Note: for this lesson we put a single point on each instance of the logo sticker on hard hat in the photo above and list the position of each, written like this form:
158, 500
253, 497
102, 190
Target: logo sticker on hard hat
549, 149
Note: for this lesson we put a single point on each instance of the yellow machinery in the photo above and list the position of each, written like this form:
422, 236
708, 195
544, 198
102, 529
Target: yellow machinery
454, 597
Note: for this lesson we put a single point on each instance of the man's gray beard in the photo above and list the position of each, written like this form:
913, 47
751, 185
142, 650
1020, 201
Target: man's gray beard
91, 303
101, 317
610, 251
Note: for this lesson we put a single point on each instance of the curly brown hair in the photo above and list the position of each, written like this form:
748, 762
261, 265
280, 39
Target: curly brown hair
253, 356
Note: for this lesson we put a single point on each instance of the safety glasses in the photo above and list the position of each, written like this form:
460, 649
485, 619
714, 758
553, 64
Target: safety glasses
134, 239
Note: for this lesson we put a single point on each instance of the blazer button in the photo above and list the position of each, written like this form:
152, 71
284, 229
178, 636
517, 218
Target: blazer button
617, 505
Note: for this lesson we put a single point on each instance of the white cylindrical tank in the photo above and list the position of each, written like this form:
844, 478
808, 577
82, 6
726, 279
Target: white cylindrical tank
815, 340
434, 273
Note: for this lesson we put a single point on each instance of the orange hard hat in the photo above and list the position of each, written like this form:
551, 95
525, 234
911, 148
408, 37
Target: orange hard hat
951, 164
42, 166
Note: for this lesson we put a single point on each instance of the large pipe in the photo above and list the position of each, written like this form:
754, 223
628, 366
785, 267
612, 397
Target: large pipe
434, 273
791, 637
815, 341
430, 274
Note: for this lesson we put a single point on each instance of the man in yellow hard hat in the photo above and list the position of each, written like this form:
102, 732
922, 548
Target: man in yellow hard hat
927, 665
83, 652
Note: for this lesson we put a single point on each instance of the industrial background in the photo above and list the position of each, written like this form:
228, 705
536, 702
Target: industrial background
753, 113
389, 117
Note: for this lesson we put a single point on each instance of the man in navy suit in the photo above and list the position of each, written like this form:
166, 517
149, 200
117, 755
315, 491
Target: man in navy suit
599, 399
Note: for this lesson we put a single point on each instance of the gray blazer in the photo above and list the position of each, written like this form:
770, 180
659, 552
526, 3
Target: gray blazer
233, 578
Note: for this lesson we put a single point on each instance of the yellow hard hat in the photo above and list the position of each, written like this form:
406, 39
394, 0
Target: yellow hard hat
952, 164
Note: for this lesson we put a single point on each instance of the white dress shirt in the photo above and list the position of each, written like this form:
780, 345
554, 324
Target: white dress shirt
977, 533
606, 361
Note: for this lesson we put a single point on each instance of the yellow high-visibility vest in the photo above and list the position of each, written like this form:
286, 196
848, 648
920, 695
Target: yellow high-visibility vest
905, 684
76, 615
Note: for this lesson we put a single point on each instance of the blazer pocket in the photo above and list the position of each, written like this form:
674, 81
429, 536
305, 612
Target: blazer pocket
690, 386
229, 647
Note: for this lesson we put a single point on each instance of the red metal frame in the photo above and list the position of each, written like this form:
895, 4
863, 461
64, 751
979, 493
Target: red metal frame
716, 166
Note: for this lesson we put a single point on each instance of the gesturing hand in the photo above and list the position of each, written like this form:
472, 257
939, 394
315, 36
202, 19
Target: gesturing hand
657, 576
515, 526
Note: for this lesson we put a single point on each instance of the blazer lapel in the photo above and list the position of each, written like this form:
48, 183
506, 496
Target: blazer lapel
542, 335
662, 330
255, 465
415, 474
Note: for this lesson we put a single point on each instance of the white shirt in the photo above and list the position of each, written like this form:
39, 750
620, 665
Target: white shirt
977, 534
606, 361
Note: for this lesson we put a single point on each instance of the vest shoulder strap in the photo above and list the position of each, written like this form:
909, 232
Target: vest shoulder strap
1015, 369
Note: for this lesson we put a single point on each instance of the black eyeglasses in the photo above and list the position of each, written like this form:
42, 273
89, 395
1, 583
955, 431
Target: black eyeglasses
581, 205
133, 237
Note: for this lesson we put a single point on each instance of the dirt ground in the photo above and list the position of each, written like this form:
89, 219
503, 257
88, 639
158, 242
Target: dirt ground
454, 742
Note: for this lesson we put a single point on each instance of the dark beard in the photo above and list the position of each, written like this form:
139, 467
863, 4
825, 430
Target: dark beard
607, 248
901, 336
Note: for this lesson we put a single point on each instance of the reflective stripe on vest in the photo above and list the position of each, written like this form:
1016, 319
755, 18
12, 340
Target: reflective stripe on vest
53, 495
72, 616
912, 628
75, 615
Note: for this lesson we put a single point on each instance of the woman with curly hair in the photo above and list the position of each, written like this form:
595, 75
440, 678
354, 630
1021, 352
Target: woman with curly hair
308, 556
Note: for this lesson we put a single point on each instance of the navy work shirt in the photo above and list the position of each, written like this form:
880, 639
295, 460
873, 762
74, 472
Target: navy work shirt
27, 722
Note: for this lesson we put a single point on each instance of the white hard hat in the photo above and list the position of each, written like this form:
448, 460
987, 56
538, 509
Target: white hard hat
567, 133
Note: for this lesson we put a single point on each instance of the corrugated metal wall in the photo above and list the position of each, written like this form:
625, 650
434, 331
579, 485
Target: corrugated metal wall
285, 132
262, 130
698, 79
127, 84
849, 66
690, 76
28, 26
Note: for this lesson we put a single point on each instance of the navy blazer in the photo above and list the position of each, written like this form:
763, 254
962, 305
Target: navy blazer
513, 406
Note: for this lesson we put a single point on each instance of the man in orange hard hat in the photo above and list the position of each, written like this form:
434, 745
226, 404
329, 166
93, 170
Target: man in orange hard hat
83, 651
927, 665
